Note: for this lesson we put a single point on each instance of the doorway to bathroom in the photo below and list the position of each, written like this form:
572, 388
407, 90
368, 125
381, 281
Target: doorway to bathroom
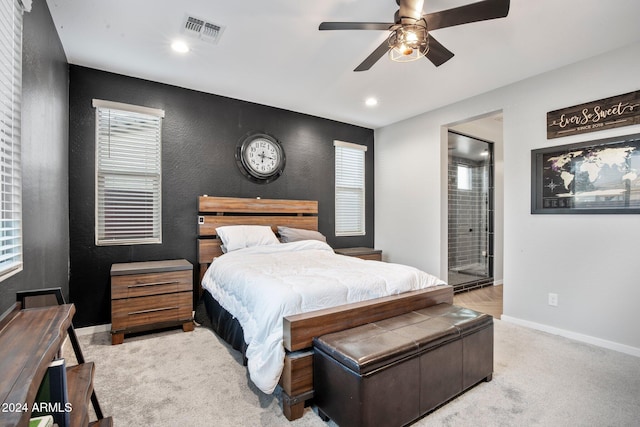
470, 212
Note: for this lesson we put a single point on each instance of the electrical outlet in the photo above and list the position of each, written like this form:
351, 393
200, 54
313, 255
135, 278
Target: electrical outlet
553, 300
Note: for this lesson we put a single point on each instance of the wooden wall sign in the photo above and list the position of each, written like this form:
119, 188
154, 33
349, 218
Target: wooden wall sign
608, 113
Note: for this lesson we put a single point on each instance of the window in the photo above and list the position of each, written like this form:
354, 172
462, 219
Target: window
10, 129
464, 177
128, 174
349, 189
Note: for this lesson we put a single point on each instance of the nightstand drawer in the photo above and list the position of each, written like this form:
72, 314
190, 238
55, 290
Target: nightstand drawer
137, 285
360, 252
132, 312
372, 257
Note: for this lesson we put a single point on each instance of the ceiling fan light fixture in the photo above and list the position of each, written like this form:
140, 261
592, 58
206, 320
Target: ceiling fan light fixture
408, 39
409, 42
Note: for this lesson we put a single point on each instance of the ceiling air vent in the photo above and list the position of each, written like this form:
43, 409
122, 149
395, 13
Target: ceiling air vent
203, 30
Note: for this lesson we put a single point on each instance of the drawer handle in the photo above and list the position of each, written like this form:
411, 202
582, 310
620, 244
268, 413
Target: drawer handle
153, 310
142, 285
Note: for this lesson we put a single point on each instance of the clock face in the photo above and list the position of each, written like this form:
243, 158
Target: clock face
260, 157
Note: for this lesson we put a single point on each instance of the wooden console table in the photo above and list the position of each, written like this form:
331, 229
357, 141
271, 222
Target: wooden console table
29, 340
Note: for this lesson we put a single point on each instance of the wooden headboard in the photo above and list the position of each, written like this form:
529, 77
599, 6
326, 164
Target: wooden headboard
214, 212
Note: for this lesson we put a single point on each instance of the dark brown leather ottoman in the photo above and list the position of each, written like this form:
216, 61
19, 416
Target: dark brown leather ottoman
476, 333
394, 371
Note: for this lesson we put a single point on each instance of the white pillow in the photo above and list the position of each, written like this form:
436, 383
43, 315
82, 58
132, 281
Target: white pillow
245, 236
288, 234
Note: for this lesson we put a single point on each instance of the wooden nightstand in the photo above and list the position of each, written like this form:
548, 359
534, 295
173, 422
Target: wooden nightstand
364, 253
150, 295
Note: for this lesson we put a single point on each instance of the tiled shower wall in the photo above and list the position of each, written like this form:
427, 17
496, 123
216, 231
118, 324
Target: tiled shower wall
468, 227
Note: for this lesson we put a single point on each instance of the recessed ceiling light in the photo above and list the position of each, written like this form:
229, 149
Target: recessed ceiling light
371, 102
180, 46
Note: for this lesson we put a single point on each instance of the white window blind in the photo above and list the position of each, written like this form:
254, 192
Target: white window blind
10, 131
128, 174
350, 188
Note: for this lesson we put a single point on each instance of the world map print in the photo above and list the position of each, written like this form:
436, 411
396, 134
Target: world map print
605, 176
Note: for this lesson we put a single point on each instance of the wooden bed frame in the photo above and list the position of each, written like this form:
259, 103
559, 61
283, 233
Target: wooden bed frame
299, 330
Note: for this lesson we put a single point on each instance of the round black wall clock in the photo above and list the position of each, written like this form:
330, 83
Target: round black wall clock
260, 157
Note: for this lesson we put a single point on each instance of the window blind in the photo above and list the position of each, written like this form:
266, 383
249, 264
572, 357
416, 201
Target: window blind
350, 189
10, 131
128, 174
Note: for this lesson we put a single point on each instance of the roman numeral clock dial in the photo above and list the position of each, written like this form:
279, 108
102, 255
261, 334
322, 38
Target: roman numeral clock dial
260, 157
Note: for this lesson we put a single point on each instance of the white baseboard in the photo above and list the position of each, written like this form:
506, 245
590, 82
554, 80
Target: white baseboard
89, 330
622, 348
498, 282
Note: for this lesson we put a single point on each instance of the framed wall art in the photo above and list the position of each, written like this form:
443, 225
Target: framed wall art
603, 114
594, 177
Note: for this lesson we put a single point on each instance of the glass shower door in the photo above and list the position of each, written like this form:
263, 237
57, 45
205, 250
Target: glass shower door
470, 217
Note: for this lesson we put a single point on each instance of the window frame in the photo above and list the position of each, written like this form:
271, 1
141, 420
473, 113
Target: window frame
11, 224
356, 188
128, 177
464, 179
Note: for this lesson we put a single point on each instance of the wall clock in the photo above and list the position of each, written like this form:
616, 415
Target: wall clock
260, 157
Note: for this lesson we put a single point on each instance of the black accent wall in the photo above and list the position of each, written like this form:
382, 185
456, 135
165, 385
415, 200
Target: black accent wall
199, 136
45, 115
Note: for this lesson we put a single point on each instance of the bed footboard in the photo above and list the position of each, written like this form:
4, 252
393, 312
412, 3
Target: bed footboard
300, 329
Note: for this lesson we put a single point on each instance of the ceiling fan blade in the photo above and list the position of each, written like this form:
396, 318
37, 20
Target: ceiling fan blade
437, 53
474, 12
410, 8
355, 26
373, 58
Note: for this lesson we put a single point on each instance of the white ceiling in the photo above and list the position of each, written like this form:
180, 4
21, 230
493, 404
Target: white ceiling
272, 53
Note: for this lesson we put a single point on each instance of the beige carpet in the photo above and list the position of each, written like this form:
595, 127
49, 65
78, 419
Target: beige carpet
188, 379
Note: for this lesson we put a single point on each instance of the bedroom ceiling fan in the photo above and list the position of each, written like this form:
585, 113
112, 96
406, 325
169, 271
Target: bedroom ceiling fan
409, 37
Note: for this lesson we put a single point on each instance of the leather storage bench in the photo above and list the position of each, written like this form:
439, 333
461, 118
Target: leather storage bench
396, 370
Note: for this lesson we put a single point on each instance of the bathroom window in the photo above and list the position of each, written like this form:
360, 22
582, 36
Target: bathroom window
464, 177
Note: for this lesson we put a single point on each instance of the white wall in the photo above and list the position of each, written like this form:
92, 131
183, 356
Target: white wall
591, 261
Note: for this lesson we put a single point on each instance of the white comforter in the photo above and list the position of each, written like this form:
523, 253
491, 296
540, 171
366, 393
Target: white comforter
261, 285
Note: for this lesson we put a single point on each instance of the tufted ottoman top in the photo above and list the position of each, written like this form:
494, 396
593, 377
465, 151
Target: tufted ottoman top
368, 347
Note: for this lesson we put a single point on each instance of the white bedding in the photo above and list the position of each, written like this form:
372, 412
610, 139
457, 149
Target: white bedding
261, 285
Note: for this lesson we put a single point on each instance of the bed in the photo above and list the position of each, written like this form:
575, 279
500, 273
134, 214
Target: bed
345, 297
